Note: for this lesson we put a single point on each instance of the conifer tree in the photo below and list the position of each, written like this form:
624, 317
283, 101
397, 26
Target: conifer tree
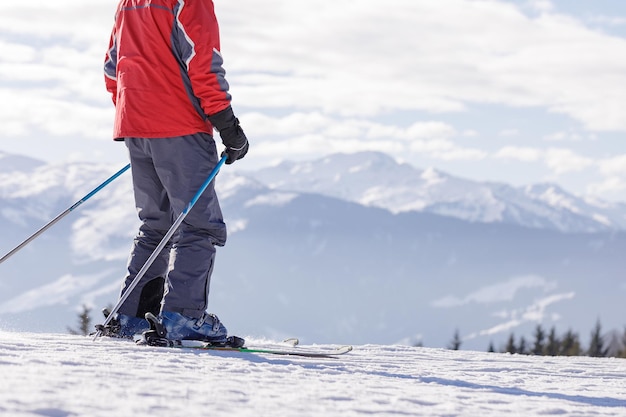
614, 346
456, 342
622, 352
522, 348
552, 347
596, 346
84, 322
539, 340
570, 345
510, 345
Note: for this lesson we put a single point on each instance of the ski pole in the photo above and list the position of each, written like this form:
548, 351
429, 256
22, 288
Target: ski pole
161, 245
65, 213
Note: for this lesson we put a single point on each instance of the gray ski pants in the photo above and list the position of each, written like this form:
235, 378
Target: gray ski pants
167, 173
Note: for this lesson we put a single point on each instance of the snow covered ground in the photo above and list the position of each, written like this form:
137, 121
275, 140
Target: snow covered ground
59, 375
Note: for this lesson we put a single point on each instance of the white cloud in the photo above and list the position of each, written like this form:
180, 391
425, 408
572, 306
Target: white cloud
317, 145
430, 130
311, 133
564, 136
559, 160
608, 20
500, 292
614, 166
536, 312
541, 5
16, 53
562, 161
509, 132
25, 111
57, 292
524, 154
429, 59
297, 123
271, 199
609, 185
79, 22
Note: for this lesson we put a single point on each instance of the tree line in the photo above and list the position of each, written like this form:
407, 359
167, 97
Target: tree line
546, 342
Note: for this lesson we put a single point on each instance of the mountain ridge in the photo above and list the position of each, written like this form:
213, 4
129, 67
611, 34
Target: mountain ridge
375, 179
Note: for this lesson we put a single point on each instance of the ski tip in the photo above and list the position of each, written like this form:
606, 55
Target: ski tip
293, 341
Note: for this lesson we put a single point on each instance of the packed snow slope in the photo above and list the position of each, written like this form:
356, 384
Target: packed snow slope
58, 375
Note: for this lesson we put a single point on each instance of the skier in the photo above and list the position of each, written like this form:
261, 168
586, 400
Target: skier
164, 71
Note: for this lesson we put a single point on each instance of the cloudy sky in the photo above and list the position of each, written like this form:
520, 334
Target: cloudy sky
518, 91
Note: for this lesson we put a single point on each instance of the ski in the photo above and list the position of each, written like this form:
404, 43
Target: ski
302, 352
288, 347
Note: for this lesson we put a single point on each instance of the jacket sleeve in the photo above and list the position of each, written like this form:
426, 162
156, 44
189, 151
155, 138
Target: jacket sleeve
110, 67
199, 45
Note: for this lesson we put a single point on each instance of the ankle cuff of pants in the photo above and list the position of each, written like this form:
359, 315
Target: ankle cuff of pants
192, 313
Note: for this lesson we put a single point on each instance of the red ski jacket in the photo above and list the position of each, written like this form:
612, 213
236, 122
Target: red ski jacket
164, 68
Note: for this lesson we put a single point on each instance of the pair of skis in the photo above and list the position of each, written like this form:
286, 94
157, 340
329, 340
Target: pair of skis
157, 337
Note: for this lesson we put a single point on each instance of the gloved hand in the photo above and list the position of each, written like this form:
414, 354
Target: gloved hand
231, 133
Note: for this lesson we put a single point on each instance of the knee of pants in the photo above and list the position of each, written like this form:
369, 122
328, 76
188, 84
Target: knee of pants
213, 233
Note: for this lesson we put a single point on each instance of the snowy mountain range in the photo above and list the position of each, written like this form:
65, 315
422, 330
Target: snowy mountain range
376, 180
346, 249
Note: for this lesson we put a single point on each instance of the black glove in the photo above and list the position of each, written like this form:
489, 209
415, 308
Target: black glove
231, 133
